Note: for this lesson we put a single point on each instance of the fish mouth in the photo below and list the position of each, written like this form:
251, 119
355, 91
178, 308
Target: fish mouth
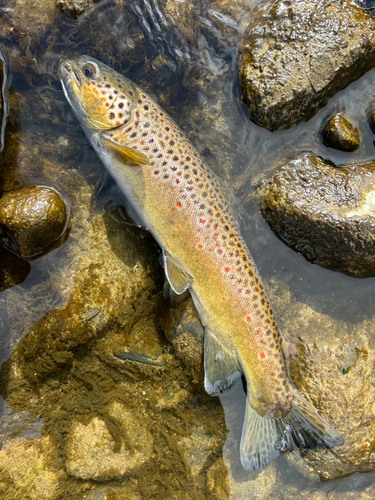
71, 84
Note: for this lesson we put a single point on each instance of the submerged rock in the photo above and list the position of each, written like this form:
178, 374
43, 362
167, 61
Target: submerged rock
13, 270
26, 473
333, 370
4, 105
31, 219
296, 55
324, 212
339, 133
93, 453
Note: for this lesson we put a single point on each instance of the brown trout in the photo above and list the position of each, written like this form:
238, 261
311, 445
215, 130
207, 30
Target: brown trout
191, 215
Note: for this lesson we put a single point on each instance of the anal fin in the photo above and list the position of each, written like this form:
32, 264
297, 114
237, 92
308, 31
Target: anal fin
221, 367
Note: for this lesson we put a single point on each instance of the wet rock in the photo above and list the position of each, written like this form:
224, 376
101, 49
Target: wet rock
372, 120
339, 133
75, 7
31, 219
93, 453
217, 480
182, 327
333, 370
197, 449
107, 293
296, 55
13, 270
26, 471
113, 493
23, 29
325, 213
4, 104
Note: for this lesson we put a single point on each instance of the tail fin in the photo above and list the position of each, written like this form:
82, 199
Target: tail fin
263, 439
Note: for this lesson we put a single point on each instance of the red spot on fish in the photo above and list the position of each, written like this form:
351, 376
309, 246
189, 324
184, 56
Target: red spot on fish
179, 204
178, 227
226, 269
200, 246
262, 355
222, 298
202, 221
248, 319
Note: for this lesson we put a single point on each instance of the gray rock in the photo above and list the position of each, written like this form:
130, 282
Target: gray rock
339, 133
325, 213
31, 219
296, 55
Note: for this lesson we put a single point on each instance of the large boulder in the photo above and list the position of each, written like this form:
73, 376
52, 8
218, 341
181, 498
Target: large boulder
297, 54
324, 212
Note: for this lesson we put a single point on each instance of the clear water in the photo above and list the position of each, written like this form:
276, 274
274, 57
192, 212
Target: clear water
190, 67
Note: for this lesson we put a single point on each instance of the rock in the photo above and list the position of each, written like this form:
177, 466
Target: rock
106, 293
4, 104
26, 472
296, 55
75, 7
182, 327
217, 480
333, 370
339, 133
22, 31
372, 120
325, 213
13, 270
31, 219
113, 493
93, 453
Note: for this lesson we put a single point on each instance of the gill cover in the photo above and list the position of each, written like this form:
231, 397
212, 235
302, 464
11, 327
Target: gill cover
101, 98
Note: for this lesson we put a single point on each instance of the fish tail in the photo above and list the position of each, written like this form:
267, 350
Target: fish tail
263, 439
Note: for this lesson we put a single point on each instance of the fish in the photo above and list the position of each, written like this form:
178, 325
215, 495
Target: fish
192, 215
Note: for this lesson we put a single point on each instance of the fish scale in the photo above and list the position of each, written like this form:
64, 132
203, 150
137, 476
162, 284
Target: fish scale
189, 212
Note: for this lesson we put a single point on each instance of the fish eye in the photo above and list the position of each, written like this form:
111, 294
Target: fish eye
89, 70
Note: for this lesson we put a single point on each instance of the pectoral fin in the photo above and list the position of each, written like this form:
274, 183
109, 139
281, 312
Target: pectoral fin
177, 277
221, 367
129, 155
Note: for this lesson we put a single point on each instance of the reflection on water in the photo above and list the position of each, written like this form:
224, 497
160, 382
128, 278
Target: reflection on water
62, 326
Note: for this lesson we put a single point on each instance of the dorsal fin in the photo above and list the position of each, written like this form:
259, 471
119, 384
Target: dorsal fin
129, 155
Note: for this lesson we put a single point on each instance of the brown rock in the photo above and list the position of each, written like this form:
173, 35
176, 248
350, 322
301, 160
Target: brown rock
4, 105
31, 219
13, 270
92, 453
325, 213
26, 472
23, 28
339, 133
333, 370
298, 54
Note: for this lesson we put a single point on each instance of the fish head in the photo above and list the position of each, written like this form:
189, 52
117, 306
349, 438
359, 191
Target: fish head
101, 98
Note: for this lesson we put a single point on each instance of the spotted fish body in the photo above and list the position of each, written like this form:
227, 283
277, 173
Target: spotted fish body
190, 213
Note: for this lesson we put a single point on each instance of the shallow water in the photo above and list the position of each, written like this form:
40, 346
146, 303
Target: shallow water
190, 67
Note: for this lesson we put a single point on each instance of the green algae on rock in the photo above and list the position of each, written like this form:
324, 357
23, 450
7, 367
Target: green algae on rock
296, 55
324, 212
31, 219
339, 133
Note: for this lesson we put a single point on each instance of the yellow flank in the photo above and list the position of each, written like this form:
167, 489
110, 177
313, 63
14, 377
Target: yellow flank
188, 211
